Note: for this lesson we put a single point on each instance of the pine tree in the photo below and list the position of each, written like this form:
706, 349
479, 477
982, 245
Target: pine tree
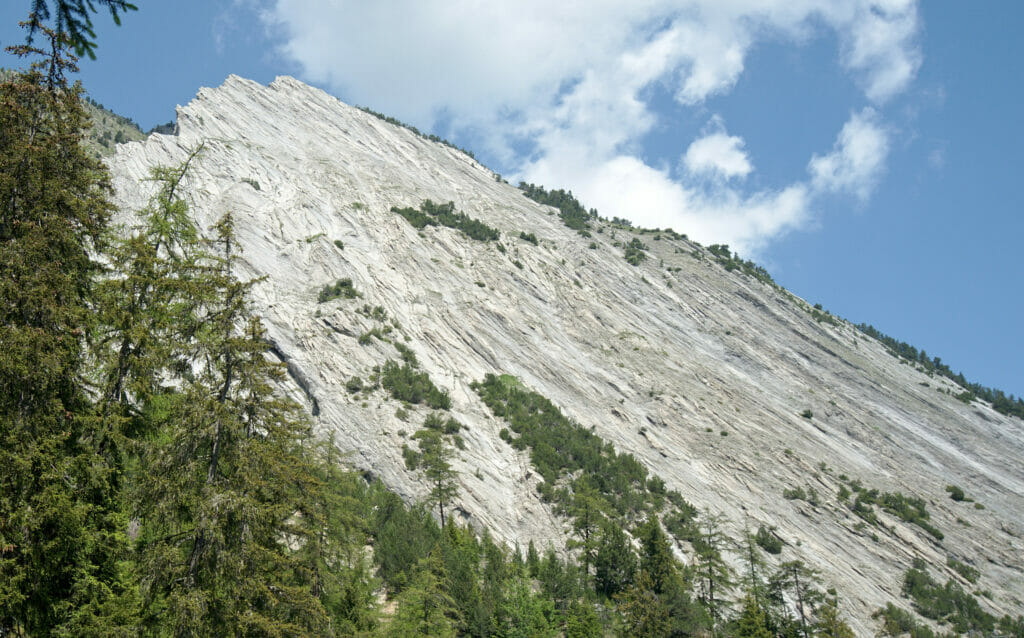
228, 480
799, 583
425, 608
830, 624
753, 579
340, 574
73, 21
61, 534
643, 614
532, 559
751, 622
713, 573
435, 461
615, 563
149, 305
656, 558
587, 511
524, 614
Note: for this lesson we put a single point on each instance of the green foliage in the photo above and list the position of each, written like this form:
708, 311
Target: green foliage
427, 136
714, 575
956, 493
401, 536
971, 574
798, 493
73, 20
434, 461
634, 252
342, 288
529, 237
795, 581
366, 338
436, 422
340, 244
570, 210
947, 603
909, 509
425, 608
558, 448
431, 214
732, 261
807, 414
354, 384
823, 316
830, 624
751, 622
768, 541
1000, 402
965, 397
231, 458
899, 622
62, 540
615, 563
406, 384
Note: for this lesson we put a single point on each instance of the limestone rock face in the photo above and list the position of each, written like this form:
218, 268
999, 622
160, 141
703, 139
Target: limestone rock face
701, 373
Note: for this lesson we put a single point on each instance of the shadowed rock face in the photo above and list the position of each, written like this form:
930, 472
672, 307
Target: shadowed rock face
651, 359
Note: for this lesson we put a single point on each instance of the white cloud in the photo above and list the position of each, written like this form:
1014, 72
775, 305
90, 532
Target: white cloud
857, 158
719, 154
570, 83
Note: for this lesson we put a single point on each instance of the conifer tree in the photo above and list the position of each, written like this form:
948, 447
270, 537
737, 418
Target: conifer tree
656, 558
340, 574
61, 534
73, 20
751, 622
587, 511
642, 611
435, 460
425, 607
227, 483
830, 624
523, 613
615, 563
798, 582
149, 306
713, 573
753, 579
532, 559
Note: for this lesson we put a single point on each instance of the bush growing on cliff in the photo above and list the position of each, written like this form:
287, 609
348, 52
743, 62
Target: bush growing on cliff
405, 383
342, 288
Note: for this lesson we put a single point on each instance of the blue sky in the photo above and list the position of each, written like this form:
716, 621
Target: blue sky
865, 151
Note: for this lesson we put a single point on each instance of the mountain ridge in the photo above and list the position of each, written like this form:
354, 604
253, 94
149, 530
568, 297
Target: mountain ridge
650, 358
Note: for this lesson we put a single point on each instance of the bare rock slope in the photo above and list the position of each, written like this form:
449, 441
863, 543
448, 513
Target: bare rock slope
701, 373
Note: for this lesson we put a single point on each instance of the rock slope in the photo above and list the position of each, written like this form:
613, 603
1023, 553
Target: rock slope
701, 373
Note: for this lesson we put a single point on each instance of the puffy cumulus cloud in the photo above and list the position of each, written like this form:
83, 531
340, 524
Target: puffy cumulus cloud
879, 44
717, 154
651, 197
857, 158
560, 92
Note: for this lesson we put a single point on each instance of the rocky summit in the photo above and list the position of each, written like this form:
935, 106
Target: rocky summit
739, 395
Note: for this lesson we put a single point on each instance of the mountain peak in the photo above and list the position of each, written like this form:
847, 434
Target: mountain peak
724, 386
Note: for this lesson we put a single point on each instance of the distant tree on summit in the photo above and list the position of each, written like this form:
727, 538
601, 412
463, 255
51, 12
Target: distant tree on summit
73, 20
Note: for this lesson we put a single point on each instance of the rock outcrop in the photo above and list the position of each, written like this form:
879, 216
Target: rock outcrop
701, 373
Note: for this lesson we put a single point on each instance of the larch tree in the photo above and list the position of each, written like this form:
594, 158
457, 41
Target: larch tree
229, 474
435, 458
